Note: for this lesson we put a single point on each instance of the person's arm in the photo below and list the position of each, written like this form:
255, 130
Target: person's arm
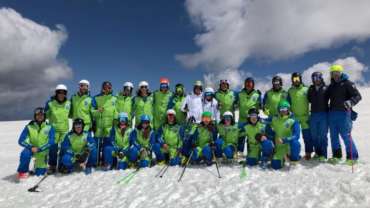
355, 95
91, 145
259, 101
23, 139
184, 106
160, 139
296, 130
133, 139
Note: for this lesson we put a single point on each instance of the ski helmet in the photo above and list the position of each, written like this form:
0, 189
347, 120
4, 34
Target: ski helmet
76, 122
227, 114
317, 76
336, 68
296, 77
277, 82
253, 112
224, 81
123, 117
283, 105
198, 83
171, 112
207, 114
143, 84
85, 82
61, 87
249, 82
128, 85
144, 118
38, 110
179, 88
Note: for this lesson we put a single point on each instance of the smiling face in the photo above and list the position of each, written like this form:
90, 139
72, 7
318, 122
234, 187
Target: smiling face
171, 118
83, 88
336, 76
107, 88
78, 128
61, 95
39, 117
224, 86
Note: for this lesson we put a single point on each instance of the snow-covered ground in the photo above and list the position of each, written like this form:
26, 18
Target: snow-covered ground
308, 184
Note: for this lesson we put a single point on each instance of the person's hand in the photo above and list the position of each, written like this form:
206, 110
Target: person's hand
348, 104
100, 109
263, 138
120, 155
279, 141
34, 149
165, 147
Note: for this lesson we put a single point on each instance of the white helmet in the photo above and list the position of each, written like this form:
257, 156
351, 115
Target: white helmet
171, 111
143, 83
227, 113
61, 87
209, 90
84, 81
128, 84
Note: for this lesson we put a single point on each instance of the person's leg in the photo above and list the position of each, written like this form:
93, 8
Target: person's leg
345, 132
207, 154
295, 149
218, 151
229, 151
108, 156
334, 122
158, 152
67, 161
314, 129
24, 161
323, 129
254, 152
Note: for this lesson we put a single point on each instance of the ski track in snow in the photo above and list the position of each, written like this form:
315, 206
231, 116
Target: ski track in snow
308, 184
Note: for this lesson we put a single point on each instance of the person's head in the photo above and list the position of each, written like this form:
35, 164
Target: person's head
127, 89
164, 84
284, 108
228, 118
171, 116
198, 87
209, 93
145, 121
179, 90
206, 118
253, 116
39, 115
336, 72
84, 86
106, 88
61, 93
224, 85
317, 79
277, 83
123, 120
78, 126
296, 79
143, 88
249, 84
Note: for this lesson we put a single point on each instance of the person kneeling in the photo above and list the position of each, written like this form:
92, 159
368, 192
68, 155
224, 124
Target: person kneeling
169, 140
78, 148
119, 144
227, 141
286, 131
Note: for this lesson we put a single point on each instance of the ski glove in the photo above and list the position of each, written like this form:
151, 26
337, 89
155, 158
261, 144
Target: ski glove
348, 104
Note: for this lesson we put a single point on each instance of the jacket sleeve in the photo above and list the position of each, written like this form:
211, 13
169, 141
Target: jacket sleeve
51, 140
22, 141
185, 103
66, 145
47, 110
171, 102
112, 139
260, 101
133, 140
270, 132
160, 136
264, 101
296, 130
91, 145
355, 95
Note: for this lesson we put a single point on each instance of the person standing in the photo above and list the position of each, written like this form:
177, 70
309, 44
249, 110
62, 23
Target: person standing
225, 97
161, 99
318, 98
143, 103
176, 102
273, 97
125, 101
343, 95
81, 104
247, 99
57, 112
193, 104
297, 97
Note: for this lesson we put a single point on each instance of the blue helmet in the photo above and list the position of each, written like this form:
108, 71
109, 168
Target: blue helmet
123, 117
144, 118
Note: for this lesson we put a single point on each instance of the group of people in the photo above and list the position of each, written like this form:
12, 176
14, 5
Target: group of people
121, 131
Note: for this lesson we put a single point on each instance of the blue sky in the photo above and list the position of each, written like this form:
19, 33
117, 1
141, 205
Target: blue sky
138, 40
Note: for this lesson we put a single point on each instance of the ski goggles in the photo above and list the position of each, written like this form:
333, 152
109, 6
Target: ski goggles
253, 115
335, 73
283, 109
208, 94
144, 87
276, 83
224, 81
296, 79
163, 86
39, 111
61, 92
316, 77
78, 125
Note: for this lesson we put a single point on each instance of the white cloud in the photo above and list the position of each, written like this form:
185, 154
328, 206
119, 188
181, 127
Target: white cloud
29, 63
235, 77
234, 30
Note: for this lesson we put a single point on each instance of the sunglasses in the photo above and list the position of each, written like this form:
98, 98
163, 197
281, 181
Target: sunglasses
144, 87
283, 109
61, 92
296, 79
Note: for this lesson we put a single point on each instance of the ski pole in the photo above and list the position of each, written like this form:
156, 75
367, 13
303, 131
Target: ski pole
160, 171
186, 164
218, 171
167, 166
34, 188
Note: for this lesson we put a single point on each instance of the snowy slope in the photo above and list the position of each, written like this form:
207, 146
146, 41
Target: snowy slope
307, 185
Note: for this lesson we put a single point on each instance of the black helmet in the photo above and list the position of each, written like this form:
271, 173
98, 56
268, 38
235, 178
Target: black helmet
38, 110
277, 82
317, 76
252, 112
296, 75
78, 121
249, 79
